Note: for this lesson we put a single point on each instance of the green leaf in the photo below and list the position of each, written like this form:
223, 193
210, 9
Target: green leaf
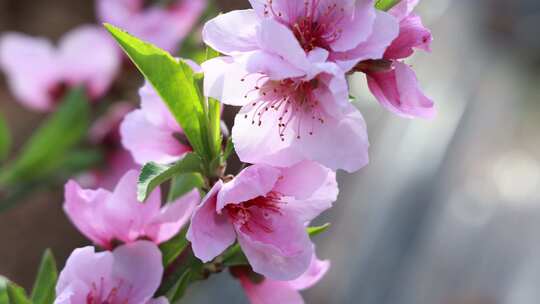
179, 289
170, 284
174, 82
183, 183
385, 5
47, 148
316, 230
171, 249
4, 297
5, 139
16, 294
234, 256
229, 148
214, 130
152, 174
43, 291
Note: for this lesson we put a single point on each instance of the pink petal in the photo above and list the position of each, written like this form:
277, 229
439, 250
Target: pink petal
412, 34
148, 142
285, 11
262, 144
139, 266
340, 143
173, 217
356, 26
270, 292
117, 163
254, 181
232, 32
156, 110
399, 92
126, 216
283, 254
271, 66
210, 233
316, 271
83, 267
117, 12
96, 69
385, 30
228, 81
164, 27
277, 39
403, 8
310, 187
85, 210
32, 69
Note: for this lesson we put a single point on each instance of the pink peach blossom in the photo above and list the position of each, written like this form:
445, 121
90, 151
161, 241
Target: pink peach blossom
164, 26
39, 73
108, 217
105, 134
283, 122
286, 31
130, 274
284, 292
151, 133
397, 89
266, 209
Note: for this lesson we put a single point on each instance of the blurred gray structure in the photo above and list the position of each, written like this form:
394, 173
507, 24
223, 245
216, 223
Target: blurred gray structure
448, 211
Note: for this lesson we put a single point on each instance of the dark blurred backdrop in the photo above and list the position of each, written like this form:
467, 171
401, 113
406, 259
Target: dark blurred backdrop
447, 212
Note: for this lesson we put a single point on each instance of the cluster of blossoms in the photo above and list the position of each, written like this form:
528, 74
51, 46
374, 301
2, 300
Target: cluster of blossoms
285, 63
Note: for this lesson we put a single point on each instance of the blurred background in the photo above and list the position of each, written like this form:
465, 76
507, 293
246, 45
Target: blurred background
447, 212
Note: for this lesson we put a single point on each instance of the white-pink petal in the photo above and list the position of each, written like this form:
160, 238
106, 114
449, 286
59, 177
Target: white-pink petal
232, 32
254, 181
210, 233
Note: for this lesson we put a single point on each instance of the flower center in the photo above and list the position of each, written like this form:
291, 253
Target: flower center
254, 214
294, 102
99, 294
57, 92
317, 26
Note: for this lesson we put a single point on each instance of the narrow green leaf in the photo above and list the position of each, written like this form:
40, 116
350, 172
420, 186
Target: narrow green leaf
47, 148
385, 5
214, 119
171, 249
152, 174
179, 289
234, 256
316, 230
4, 297
183, 183
172, 79
16, 294
43, 291
192, 264
5, 139
229, 148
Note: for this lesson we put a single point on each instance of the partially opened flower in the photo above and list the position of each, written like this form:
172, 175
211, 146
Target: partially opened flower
396, 87
151, 133
266, 209
39, 73
164, 25
288, 30
284, 292
283, 122
130, 274
110, 217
